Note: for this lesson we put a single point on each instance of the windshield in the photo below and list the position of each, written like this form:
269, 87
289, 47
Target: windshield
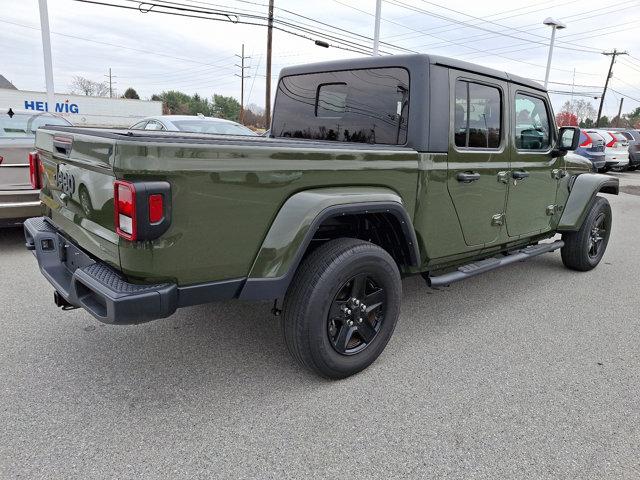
208, 126
23, 125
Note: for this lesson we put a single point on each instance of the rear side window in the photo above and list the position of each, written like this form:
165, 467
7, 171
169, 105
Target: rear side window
364, 106
477, 115
25, 125
533, 128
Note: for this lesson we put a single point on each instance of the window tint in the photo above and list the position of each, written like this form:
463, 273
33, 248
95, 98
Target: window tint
139, 125
627, 135
366, 106
477, 115
532, 123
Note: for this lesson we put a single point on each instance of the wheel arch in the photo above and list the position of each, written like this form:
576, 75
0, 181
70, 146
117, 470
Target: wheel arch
584, 189
303, 215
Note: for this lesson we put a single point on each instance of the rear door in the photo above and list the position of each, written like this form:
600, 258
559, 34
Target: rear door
535, 171
478, 157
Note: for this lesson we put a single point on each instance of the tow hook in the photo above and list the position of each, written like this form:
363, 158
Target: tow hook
61, 302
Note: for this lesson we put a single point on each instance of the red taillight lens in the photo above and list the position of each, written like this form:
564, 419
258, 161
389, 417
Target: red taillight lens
34, 170
613, 141
1, 158
124, 201
156, 208
588, 142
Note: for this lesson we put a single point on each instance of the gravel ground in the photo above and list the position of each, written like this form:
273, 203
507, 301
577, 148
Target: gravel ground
531, 371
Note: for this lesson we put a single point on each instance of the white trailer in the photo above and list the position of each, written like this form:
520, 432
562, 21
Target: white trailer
83, 110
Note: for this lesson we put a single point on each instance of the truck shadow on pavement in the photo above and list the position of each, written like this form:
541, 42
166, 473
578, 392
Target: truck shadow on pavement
235, 349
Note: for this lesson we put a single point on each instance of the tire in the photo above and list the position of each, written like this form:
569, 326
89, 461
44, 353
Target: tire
318, 307
584, 249
85, 201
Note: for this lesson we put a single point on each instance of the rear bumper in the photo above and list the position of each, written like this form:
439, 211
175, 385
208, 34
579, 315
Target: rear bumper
87, 283
19, 204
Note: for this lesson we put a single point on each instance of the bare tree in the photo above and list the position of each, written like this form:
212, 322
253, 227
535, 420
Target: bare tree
582, 109
84, 86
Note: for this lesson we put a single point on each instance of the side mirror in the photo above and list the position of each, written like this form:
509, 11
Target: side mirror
568, 138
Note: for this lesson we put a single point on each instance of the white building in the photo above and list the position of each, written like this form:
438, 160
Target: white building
82, 110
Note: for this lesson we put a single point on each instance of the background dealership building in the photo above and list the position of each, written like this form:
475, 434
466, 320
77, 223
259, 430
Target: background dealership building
80, 110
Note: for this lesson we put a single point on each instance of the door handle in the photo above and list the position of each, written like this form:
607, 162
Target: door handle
467, 177
521, 175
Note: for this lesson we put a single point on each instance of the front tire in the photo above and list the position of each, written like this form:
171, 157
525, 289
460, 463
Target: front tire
584, 249
342, 307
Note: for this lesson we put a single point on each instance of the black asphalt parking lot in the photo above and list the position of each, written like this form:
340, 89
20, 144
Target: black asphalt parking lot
532, 371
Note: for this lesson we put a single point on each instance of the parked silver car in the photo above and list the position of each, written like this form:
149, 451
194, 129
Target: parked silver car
192, 124
617, 149
18, 198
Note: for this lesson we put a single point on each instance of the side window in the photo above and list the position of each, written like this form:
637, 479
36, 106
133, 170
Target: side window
477, 115
363, 106
153, 125
139, 125
533, 127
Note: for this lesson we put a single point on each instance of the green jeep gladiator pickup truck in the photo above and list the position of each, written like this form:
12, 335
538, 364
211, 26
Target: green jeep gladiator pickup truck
376, 168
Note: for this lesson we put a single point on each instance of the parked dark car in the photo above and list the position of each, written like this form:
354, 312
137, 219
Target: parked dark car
592, 146
634, 148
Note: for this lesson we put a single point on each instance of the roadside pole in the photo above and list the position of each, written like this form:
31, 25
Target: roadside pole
619, 112
267, 100
46, 51
606, 82
376, 28
242, 76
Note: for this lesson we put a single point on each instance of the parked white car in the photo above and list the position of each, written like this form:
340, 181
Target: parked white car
617, 149
192, 124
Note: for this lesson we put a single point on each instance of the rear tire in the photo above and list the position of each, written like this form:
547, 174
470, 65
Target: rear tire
584, 249
325, 325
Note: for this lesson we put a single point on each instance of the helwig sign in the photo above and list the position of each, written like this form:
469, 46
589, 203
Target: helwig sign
61, 107
82, 110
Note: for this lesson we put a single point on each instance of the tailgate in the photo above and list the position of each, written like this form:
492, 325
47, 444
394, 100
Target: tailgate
14, 164
77, 189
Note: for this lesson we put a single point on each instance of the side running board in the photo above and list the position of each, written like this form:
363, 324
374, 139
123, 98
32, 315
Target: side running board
482, 266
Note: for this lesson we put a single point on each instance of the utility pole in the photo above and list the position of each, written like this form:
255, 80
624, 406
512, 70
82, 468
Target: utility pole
619, 112
376, 29
111, 82
241, 67
606, 83
46, 53
267, 100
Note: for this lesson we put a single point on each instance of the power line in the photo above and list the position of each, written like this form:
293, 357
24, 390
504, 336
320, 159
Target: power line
460, 22
343, 45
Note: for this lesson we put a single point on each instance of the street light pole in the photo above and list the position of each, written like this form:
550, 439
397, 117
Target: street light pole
376, 28
46, 51
555, 25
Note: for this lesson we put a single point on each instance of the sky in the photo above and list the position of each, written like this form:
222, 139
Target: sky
152, 51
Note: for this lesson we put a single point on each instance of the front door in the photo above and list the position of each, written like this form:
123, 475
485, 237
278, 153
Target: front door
535, 170
478, 157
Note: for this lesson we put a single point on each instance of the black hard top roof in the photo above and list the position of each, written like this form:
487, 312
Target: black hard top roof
410, 62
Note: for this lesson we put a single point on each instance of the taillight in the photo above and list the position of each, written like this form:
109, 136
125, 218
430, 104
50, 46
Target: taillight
142, 210
588, 142
156, 208
613, 141
124, 201
1, 158
34, 170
